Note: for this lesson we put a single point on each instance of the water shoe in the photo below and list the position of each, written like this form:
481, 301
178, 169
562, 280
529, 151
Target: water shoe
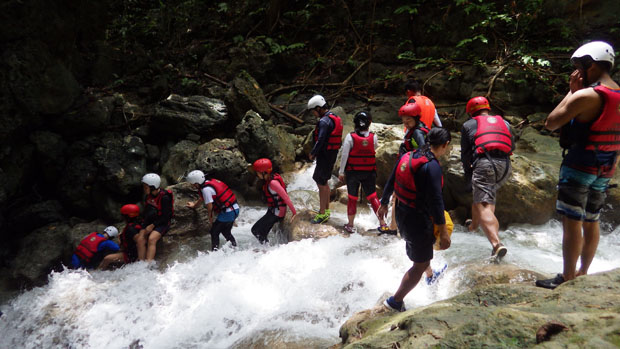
394, 305
320, 218
436, 274
551, 283
499, 251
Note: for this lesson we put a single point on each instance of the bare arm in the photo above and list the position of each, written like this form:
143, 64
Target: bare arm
582, 104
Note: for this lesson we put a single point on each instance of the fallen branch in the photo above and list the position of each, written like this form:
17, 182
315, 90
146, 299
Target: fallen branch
285, 113
501, 70
450, 105
213, 78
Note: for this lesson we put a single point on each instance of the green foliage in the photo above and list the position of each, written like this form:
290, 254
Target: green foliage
410, 9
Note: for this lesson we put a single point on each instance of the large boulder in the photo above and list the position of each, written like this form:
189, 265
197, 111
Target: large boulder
301, 228
93, 116
74, 187
178, 116
257, 139
515, 315
121, 162
180, 160
245, 94
25, 219
50, 155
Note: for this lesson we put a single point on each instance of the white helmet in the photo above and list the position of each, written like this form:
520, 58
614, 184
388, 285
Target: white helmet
111, 231
599, 51
152, 180
316, 101
196, 177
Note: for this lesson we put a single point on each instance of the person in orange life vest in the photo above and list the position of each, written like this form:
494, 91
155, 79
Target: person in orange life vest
486, 146
327, 141
415, 137
590, 112
128, 237
277, 198
158, 212
417, 183
218, 198
93, 248
429, 114
358, 167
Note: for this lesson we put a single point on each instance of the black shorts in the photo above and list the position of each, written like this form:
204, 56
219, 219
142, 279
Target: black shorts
324, 166
162, 229
263, 226
416, 228
367, 179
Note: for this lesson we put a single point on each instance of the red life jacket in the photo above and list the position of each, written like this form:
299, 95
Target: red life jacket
492, 134
404, 185
88, 246
129, 246
155, 201
604, 133
224, 197
274, 200
408, 141
362, 154
335, 138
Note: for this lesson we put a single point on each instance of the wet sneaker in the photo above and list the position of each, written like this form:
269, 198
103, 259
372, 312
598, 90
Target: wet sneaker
551, 283
385, 229
349, 228
320, 218
499, 251
394, 305
436, 274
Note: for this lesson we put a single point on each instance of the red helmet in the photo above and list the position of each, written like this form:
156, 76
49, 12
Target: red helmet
477, 103
410, 109
130, 210
262, 165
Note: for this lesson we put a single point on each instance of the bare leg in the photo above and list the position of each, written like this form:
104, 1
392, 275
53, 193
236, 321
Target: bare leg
572, 245
410, 280
393, 225
154, 236
140, 240
429, 271
591, 235
111, 258
323, 198
485, 214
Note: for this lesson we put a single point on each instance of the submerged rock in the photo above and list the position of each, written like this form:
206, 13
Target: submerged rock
498, 315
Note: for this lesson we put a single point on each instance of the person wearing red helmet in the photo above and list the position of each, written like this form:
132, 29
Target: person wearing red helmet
428, 113
128, 238
590, 132
358, 168
274, 191
486, 146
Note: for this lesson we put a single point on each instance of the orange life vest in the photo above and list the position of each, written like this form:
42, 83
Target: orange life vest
427, 106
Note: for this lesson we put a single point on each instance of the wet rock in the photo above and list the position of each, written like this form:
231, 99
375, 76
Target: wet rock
178, 116
179, 161
245, 94
301, 228
93, 116
121, 162
257, 140
74, 187
532, 141
50, 149
497, 315
32, 216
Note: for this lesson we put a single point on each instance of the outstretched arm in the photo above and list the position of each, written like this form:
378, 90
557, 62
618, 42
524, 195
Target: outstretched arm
275, 186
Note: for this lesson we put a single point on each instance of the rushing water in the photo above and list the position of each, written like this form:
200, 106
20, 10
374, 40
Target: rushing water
302, 291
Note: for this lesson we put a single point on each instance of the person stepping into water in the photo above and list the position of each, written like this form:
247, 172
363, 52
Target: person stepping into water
358, 167
417, 184
274, 191
327, 141
486, 146
218, 198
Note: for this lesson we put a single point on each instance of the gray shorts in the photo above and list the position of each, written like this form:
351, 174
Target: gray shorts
485, 181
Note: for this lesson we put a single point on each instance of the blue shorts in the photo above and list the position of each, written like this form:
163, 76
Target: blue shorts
581, 195
229, 216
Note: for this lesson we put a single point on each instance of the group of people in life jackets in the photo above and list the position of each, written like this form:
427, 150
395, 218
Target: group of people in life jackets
590, 120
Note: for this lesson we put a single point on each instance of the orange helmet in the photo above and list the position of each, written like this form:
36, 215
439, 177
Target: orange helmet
130, 210
262, 165
410, 109
477, 103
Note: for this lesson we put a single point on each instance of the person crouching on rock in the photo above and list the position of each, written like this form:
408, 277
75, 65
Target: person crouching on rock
93, 248
158, 213
418, 188
218, 198
128, 237
277, 198
358, 167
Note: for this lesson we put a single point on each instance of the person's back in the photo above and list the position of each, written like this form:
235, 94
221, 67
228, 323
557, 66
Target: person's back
93, 248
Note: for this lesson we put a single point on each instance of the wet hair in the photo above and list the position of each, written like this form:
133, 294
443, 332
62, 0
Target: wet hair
438, 136
413, 85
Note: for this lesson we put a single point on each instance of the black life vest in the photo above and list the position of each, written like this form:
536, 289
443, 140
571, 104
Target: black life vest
130, 252
155, 201
335, 138
604, 133
224, 197
274, 200
492, 135
362, 154
87, 248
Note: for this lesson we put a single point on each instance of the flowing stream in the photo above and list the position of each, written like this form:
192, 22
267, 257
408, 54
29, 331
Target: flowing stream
300, 292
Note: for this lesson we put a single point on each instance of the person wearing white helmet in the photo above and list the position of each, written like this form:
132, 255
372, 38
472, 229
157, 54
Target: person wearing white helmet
218, 198
590, 133
327, 141
93, 248
158, 213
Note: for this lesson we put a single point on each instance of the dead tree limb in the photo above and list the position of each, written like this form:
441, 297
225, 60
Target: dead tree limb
501, 70
285, 113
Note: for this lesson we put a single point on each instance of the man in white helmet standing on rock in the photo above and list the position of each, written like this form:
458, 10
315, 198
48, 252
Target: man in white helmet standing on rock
589, 118
158, 212
327, 141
